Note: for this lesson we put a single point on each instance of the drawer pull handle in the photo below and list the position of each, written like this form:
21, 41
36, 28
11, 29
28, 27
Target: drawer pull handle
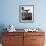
10, 38
33, 39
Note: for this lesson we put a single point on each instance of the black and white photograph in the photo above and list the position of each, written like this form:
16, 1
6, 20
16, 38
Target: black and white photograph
26, 13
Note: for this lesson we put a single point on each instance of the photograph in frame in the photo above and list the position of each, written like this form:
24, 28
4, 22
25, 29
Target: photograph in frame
26, 13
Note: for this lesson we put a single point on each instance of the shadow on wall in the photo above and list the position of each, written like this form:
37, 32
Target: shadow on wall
2, 26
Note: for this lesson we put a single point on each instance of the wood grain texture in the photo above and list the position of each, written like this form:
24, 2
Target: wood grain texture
13, 39
34, 39
23, 39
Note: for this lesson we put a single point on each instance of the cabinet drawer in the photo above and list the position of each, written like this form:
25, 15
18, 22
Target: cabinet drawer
34, 33
13, 33
13, 44
37, 39
37, 44
12, 39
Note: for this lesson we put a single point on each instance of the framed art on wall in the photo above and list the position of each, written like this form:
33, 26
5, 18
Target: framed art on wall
26, 13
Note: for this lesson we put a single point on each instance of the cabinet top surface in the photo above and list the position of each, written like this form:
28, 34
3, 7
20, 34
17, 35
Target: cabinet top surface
22, 30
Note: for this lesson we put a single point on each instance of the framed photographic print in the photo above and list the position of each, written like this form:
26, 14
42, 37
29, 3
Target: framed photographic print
26, 13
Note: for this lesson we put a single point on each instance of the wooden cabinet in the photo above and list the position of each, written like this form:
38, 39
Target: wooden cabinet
12, 39
23, 39
34, 39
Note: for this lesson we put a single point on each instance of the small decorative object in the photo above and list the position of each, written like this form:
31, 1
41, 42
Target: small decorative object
11, 28
34, 30
26, 30
26, 13
31, 30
